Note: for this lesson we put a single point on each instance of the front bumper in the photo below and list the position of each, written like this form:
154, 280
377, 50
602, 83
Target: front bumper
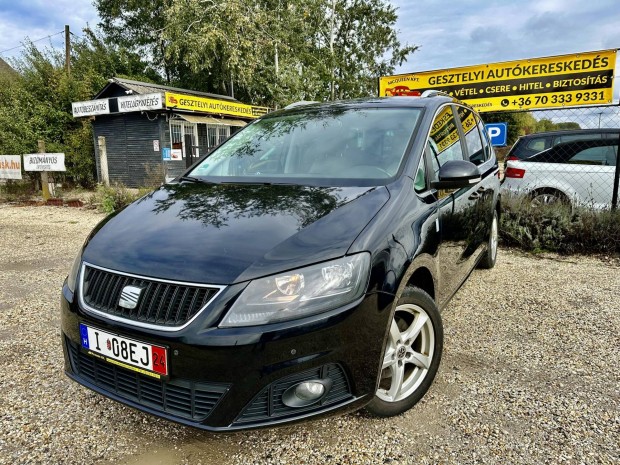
234, 378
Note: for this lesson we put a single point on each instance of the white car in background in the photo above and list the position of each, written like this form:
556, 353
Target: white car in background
580, 173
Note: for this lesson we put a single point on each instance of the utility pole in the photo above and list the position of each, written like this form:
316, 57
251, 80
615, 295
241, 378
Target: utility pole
67, 50
44, 179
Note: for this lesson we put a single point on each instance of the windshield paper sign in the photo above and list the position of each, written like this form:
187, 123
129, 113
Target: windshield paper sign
567, 80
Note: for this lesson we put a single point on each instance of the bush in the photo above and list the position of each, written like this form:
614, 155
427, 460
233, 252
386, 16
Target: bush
559, 228
109, 199
14, 190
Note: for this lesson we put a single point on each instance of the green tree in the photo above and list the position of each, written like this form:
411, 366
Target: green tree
365, 46
568, 125
264, 51
36, 103
137, 26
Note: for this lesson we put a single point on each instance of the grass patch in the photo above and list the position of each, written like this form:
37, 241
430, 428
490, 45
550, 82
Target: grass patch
559, 228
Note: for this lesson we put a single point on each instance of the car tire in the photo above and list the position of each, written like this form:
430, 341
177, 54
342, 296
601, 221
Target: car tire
549, 197
490, 255
412, 354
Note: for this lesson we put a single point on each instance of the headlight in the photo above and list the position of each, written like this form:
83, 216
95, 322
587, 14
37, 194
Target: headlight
301, 292
73, 272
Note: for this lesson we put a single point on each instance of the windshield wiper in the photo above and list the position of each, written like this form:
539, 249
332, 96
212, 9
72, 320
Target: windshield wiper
198, 180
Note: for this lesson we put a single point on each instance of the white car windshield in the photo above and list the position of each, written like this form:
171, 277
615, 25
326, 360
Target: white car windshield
333, 144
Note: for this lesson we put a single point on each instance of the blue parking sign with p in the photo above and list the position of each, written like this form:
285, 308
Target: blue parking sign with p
498, 133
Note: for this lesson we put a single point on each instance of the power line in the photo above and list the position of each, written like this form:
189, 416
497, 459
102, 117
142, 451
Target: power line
32, 41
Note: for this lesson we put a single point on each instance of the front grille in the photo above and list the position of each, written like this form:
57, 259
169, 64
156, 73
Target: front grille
268, 404
183, 398
160, 303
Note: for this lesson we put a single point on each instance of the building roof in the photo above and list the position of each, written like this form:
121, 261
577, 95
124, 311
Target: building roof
140, 87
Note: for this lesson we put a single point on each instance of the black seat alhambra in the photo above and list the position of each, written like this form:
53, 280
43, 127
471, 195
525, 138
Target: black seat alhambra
297, 270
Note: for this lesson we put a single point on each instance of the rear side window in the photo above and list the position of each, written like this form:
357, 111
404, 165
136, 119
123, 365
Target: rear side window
536, 145
605, 156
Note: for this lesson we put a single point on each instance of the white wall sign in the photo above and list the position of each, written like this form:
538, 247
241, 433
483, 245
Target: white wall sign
155, 145
176, 154
44, 162
10, 167
91, 107
141, 102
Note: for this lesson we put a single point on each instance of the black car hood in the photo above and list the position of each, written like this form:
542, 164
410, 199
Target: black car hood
224, 233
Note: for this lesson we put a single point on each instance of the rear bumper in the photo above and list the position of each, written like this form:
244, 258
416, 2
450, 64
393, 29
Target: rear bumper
225, 380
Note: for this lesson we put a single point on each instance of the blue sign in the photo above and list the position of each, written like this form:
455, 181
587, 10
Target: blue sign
498, 133
165, 154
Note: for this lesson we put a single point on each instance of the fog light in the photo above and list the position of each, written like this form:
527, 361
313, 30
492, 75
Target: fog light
306, 393
310, 390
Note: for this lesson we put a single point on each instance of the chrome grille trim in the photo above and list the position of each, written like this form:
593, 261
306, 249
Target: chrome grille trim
89, 309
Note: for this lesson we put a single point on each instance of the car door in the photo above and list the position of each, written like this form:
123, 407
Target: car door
478, 151
458, 217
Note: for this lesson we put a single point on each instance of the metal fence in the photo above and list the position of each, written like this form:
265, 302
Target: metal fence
565, 155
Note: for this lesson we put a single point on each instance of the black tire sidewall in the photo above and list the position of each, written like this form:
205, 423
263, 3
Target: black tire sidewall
416, 296
488, 259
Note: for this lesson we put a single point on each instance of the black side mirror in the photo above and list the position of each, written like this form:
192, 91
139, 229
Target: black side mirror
456, 174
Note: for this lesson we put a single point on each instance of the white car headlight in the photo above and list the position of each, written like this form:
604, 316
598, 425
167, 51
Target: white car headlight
298, 293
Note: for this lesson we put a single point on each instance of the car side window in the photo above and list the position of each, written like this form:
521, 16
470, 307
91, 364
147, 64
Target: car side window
574, 137
537, 145
475, 149
445, 141
419, 183
605, 155
486, 142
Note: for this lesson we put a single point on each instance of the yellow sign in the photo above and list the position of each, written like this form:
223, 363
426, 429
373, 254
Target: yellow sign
210, 105
444, 131
567, 80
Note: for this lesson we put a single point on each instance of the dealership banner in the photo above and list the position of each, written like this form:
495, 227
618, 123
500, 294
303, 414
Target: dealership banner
143, 102
91, 108
44, 162
10, 167
209, 105
550, 82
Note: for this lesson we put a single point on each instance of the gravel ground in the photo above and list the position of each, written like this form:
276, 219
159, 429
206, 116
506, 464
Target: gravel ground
530, 374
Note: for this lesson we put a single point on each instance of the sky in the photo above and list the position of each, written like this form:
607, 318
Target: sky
449, 33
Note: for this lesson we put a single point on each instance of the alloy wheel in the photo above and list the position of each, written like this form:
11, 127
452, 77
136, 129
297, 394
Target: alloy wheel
494, 238
545, 199
408, 355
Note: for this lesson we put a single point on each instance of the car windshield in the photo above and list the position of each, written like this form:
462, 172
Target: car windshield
337, 146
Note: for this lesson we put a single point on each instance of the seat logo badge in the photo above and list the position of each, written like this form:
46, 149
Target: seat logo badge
129, 297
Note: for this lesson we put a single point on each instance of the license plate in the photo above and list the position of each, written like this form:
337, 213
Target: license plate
148, 359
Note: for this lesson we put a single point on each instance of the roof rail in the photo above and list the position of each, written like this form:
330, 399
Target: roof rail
301, 103
434, 93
